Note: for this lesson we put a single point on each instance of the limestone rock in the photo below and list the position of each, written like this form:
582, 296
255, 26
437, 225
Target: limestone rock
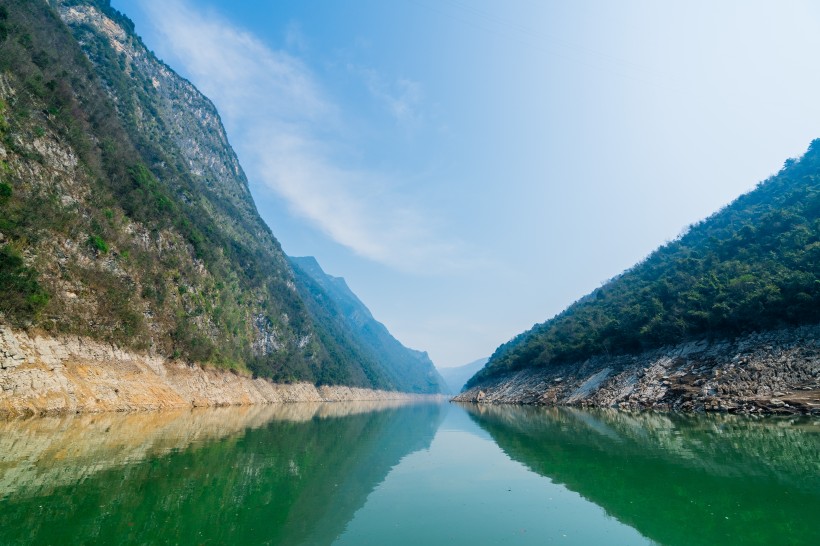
42, 375
775, 371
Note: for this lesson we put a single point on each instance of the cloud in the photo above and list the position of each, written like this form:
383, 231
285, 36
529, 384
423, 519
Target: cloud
295, 39
401, 98
291, 137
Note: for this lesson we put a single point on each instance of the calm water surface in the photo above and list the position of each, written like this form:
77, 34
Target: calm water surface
358, 474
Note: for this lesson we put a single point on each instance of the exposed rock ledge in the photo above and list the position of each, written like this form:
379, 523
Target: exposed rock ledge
771, 372
45, 375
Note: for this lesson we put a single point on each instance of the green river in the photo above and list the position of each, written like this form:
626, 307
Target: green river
414, 474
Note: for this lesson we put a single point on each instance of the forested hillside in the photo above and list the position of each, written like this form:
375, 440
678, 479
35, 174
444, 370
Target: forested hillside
368, 342
753, 266
125, 216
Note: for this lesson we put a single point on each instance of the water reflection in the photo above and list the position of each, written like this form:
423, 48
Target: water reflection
279, 474
371, 473
677, 479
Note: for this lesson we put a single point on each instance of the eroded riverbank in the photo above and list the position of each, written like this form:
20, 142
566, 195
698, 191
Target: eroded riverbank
772, 372
46, 375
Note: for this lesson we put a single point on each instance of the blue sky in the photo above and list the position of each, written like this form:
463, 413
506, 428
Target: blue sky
473, 167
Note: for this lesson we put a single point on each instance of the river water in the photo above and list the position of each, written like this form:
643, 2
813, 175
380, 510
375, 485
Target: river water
420, 474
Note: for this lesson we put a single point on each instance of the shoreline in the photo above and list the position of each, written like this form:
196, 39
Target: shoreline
774, 372
64, 375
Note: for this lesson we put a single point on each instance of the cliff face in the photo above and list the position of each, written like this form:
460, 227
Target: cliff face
160, 106
332, 304
772, 372
125, 217
179, 137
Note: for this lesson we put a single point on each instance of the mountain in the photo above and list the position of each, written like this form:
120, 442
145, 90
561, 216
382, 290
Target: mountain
456, 378
125, 216
752, 267
332, 304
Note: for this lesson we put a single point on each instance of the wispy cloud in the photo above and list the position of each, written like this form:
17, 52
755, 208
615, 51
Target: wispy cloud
290, 133
295, 39
401, 98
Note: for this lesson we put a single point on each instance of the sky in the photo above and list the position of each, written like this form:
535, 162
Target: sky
472, 167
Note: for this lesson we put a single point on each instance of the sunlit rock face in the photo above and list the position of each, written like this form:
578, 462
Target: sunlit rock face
73, 375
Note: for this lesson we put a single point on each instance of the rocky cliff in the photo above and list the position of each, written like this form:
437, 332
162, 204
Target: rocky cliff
125, 217
772, 372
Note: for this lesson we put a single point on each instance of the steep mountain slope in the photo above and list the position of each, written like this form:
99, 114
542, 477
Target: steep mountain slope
333, 305
753, 266
457, 377
124, 214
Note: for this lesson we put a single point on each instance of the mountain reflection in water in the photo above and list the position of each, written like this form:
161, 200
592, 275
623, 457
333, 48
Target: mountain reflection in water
407, 474
278, 474
679, 479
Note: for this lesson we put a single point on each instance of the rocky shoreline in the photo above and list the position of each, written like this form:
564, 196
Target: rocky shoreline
58, 375
770, 372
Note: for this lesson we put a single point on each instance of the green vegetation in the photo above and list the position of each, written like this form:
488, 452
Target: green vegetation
755, 265
347, 362
365, 345
21, 296
5, 193
98, 244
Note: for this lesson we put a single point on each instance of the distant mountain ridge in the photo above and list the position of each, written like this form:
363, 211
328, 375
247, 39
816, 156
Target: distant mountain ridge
457, 377
334, 305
